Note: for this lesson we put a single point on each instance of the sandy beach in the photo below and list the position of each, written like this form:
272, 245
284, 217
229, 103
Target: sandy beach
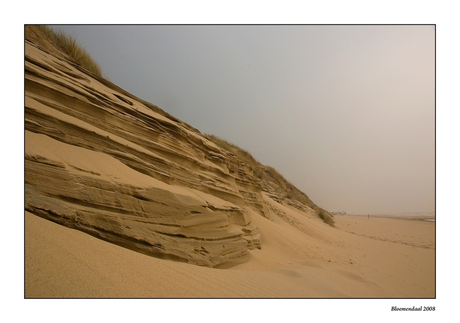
360, 258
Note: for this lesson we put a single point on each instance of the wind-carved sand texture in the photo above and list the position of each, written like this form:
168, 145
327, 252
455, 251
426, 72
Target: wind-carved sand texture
105, 162
99, 160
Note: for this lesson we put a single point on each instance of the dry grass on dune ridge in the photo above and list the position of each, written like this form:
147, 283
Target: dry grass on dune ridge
242, 154
59, 43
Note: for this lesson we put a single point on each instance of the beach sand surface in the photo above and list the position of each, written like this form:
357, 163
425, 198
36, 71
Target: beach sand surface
359, 258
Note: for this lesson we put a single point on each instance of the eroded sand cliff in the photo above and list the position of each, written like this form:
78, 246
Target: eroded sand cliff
100, 160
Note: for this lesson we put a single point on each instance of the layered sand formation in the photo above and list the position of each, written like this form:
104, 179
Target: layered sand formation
105, 162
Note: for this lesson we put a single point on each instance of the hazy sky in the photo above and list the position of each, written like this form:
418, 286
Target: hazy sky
345, 113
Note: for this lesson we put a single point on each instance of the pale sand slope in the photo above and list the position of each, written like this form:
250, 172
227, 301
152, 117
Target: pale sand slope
379, 257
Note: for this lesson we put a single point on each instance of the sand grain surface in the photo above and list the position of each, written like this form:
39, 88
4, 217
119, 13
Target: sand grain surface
370, 262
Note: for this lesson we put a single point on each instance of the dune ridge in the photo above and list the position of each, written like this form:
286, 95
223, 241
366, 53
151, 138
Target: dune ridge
100, 160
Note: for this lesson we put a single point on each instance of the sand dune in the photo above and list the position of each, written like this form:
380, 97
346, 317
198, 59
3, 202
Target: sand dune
162, 211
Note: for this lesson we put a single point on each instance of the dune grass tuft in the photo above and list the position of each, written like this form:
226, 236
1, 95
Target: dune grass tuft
62, 44
326, 217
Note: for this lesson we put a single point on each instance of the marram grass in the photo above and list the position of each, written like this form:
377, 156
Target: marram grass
58, 42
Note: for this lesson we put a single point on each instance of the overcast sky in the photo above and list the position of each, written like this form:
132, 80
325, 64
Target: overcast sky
345, 113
